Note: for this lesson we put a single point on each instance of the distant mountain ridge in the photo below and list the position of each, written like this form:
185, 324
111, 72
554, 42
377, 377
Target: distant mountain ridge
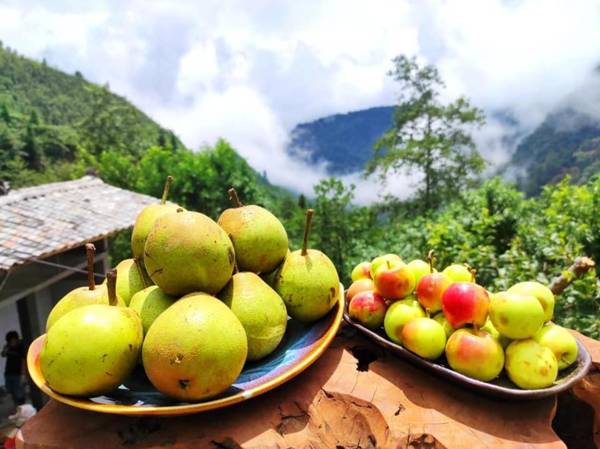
567, 142
342, 141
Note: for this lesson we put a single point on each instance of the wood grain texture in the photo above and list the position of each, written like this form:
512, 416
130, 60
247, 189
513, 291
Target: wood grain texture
355, 396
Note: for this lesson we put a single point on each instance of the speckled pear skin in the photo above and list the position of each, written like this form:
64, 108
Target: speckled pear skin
259, 238
195, 349
91, 350
260, 310
149, 303
143, 224
130, 279
76, 298
308, 284
188, 252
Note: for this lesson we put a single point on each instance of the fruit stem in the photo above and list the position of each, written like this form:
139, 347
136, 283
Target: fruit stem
581, 266
473, 275
166, 188
476, 328
234, 198
140, 270
90, 252
309, 216
111, 285
430, 256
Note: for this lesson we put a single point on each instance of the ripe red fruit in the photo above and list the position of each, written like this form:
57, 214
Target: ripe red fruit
465, 303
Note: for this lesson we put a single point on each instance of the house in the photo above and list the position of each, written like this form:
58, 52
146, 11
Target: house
42, 233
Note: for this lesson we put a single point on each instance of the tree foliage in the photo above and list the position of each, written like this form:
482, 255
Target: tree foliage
428, 138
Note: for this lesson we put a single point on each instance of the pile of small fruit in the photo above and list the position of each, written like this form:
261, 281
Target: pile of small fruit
447, 313
196, 302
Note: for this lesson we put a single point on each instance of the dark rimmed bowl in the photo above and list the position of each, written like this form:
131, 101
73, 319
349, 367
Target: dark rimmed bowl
501, 387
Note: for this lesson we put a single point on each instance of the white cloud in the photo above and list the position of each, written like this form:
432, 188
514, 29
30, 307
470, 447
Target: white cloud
249, 71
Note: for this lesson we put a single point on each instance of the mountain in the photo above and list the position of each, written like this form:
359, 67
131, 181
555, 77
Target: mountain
566, 143
48, 117
342, 141
55, 126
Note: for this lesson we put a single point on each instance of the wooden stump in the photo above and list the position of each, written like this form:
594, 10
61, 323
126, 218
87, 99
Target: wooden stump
355, 396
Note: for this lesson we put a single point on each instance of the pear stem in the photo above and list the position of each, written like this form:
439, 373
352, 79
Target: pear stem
581, 266
166, 188
430, 256
111, 285
140, 271
473, 275
234, 198
309, 216
90, 252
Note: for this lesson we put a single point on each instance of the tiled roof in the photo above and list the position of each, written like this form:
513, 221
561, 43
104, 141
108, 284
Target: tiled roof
40, 221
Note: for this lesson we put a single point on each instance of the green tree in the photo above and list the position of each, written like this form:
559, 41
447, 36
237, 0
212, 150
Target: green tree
428, 136
302, 201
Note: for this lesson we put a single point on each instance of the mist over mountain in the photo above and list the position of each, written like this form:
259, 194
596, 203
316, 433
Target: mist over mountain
567, 142
344, 142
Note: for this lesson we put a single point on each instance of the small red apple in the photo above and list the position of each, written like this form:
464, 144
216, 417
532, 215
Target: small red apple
465, 303
362, 285
395, 281
361, 271
368, 308
430, 289
475, 353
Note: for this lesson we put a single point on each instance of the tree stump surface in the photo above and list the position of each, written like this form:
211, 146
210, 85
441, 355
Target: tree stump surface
355, 396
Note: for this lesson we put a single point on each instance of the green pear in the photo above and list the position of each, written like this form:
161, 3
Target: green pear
530, 365
516, 316
260, 310
146, 219
195, 349
82, 296
259, 238
187, 252
131, 278
149, 303
561, 342
92, 349
542, 293
307, 281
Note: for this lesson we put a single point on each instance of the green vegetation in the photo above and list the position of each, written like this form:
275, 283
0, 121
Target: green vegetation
55, 126
428, 137
566, 143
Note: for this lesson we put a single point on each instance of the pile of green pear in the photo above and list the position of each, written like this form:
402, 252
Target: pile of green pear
447, 314
197, 301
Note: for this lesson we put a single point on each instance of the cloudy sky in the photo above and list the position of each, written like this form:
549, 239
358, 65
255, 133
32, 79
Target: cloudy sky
249, 70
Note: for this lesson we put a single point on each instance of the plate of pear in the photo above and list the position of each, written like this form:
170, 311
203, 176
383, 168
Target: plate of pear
206, 314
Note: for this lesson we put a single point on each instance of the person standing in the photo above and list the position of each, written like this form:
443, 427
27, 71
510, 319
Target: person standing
14, 372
